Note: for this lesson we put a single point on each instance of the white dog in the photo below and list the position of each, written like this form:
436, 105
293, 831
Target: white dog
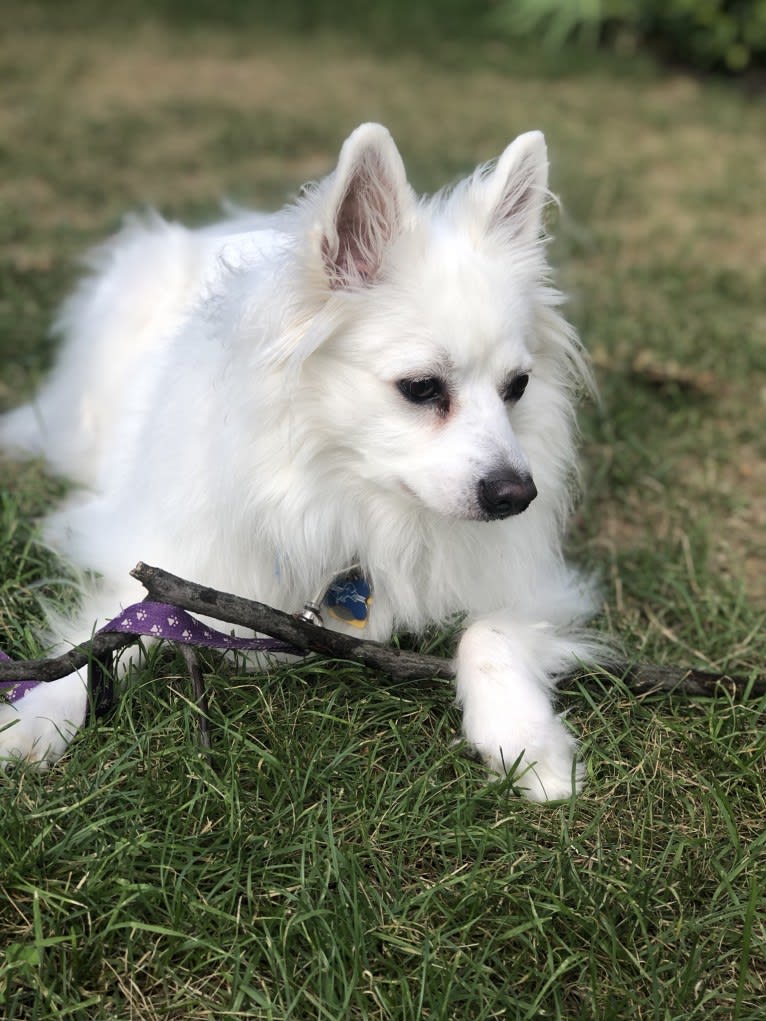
365, 377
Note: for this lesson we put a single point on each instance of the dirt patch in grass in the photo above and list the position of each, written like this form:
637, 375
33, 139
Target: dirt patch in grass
727, 500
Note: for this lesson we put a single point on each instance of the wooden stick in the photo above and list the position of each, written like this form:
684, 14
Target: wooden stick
161, 586
59, 666
644, 678
398, 663
189, 654
101, 685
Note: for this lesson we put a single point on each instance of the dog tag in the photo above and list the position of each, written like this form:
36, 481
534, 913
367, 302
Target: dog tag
348, 599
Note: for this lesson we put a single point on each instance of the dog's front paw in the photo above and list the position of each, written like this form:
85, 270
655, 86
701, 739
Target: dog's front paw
544, 770
31, 739
508, 716
39, 727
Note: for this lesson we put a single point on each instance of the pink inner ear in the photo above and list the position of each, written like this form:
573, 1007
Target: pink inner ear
515, 201
365, 222
520, 207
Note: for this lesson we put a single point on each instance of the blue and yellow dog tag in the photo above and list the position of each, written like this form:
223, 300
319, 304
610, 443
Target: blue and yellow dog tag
348, 599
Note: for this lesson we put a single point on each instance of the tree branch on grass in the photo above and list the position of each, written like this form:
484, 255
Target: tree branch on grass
161, 586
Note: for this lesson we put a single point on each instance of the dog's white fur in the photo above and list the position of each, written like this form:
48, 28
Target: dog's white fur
228, 399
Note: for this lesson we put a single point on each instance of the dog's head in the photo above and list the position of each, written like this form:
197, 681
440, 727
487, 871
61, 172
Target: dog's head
438, 368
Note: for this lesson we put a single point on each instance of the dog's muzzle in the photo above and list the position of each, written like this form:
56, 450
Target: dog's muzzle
504, 493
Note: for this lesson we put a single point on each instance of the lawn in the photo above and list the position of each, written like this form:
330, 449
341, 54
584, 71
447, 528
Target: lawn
338, 855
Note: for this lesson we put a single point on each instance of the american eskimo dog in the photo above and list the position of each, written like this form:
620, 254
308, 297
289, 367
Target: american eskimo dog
365, 377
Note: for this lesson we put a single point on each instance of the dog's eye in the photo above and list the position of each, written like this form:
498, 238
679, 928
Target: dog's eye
516, 387
430, 390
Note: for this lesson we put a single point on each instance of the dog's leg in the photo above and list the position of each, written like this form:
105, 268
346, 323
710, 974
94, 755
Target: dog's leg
506, 673
39, 727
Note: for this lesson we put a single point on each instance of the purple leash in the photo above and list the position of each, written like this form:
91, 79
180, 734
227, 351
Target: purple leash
165, 621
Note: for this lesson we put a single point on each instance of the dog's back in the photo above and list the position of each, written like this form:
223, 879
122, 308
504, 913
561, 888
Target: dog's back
142, 284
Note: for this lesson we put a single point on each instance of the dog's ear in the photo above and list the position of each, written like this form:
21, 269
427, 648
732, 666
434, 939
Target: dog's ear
517, 189
368, 201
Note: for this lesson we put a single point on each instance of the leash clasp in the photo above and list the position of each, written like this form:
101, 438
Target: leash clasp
311, 614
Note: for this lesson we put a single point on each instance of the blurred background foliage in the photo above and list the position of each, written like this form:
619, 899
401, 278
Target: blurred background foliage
707, 35
725, 35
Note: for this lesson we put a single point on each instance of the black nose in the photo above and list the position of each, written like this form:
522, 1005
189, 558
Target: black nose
503, 493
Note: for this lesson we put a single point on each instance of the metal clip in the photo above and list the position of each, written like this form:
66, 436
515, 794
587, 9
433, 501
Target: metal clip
311, 614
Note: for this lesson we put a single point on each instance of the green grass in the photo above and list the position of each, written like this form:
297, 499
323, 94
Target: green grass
337, 855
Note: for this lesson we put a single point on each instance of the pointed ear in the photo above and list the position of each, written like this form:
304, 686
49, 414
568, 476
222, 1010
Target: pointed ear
368, 201
517, 189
